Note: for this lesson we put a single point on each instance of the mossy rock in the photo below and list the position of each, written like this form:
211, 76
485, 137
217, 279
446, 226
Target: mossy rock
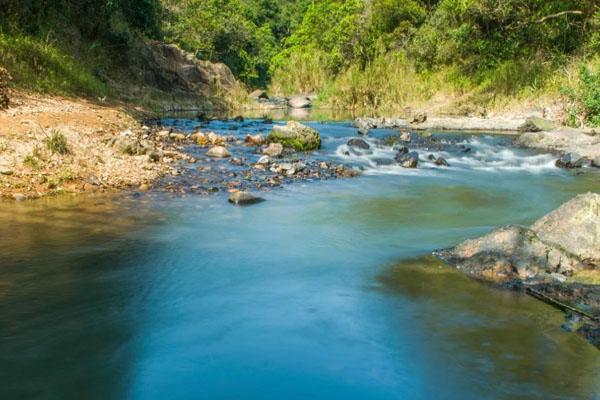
296, 136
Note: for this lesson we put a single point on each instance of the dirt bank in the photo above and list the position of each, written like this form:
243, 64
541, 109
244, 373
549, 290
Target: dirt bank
89, 155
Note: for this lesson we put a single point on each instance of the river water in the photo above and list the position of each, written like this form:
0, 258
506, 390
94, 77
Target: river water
324, 291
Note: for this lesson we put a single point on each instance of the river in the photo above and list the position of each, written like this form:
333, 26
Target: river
325, 290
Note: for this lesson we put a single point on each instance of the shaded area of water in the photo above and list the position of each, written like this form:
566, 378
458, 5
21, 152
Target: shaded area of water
323, 291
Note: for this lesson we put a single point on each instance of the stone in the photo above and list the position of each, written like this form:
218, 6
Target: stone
259, 95
273, 150
595, 162
575, 227
570, 161
509, 253
244, 198
441, 162
6, 171
408, 160
406, 136
255, 140
536, 124
299, 101
19, 197
418, 118
296, 135
218, 152
359, 143
144, 187
264, 160
401, 150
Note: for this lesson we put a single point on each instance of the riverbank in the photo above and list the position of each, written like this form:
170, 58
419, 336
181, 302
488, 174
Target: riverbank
556, 259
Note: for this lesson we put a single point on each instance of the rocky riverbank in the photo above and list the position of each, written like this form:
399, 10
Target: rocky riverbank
557, 259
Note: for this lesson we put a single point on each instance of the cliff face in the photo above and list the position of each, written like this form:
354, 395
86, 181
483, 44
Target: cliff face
182, 78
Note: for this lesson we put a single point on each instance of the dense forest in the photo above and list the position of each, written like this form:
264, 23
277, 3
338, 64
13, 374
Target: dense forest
375, 54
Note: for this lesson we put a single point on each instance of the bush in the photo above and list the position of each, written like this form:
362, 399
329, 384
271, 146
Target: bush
5, 79
57, 143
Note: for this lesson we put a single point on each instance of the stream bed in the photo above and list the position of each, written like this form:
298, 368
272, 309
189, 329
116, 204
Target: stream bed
325, 290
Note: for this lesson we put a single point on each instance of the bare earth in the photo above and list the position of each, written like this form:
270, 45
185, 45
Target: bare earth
29, 169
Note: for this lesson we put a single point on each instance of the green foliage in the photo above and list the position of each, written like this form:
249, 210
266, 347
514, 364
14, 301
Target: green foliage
56, 142
39, 65
584, 99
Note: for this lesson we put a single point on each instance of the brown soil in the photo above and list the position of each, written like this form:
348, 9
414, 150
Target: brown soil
29, 168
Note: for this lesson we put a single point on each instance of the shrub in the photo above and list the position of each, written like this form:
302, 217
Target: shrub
5, 79
57, 142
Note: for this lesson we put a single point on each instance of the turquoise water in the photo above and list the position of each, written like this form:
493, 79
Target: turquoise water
326, 290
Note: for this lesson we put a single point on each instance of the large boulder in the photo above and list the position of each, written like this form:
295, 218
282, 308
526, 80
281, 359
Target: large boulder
296, 135
563, 242
575, 227
300, 101
570, 161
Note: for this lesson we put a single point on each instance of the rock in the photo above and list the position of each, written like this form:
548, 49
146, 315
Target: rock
255, 140
173, 70
131, 145
144, 187
418, 117
510, 253
575, 227
408, 160
218, 152
274, 150
431, 157
238, 118
359, 143
19, 197
264, 160
7, 172
178, 137
406, 136
296, 135
244, 198
441, 162
299, 101
259, 95
595, 162
401, 150
570, 160
363, 126
535, 124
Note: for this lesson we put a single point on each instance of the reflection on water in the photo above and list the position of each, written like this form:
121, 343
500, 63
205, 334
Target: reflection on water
302, 296
484, 332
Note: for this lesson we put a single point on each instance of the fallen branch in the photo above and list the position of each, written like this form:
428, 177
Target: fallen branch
564, 307
560, 14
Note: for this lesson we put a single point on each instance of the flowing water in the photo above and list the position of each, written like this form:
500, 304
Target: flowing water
324, 291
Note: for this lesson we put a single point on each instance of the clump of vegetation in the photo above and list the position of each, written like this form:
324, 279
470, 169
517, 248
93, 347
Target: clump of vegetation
584, 99
5, 79
34, 159
56, 142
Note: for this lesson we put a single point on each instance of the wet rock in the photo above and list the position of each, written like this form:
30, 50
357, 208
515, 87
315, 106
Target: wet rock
218, 152
144, 187
408, 160
535, 124
238, 118
359, 143
441, 162
274, 150
595, 162
401, 150
264, 160
300, 101
570, 161
244, 198
296, 135
406, 136
431, 157
255, 140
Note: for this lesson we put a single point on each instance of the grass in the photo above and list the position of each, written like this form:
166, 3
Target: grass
34, 159
39, 65
56, 142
